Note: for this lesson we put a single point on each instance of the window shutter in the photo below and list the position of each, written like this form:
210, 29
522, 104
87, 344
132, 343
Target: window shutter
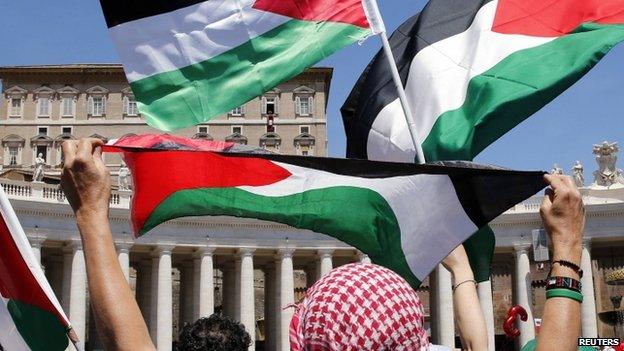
311, 105
297, 105
74, 100
90, 106
276, 102
263, 108
126, 105
104, 106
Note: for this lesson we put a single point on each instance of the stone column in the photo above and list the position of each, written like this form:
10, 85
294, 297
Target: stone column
204, 283
75, 288
123, 255
442, 319
164, 298
522, 291
228, 291
589, 326
286, 296
247, 314
35, 243
237, 288
325, 262
270, 297
363, 258
484, 290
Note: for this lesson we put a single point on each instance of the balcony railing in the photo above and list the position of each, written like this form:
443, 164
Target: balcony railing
18, 189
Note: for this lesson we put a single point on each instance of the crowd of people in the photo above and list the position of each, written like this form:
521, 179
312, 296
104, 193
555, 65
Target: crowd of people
354, 307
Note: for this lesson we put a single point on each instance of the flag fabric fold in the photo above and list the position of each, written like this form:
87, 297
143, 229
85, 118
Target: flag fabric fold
406, 217
188, 61
31, 317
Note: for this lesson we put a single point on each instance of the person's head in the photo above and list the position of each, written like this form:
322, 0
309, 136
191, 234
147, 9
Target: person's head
359, 307
214, 333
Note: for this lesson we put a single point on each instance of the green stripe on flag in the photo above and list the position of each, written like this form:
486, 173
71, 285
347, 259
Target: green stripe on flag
41, 329
515, 88
170, 100
357, 216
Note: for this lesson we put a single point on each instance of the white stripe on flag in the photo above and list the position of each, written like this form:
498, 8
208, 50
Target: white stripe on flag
438, 82
10, 338
190, 35
432, 222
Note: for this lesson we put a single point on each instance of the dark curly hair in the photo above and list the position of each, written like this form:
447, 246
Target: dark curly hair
215, 333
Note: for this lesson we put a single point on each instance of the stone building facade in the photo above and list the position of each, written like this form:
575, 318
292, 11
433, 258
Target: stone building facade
44, 105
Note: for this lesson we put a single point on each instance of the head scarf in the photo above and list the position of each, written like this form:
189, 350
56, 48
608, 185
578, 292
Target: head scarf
359, 307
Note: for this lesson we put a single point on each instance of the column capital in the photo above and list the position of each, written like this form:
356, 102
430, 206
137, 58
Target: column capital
204, 251
245, 252
163, 249
285, 252
36, 241
521, 248
325, 252
123, 246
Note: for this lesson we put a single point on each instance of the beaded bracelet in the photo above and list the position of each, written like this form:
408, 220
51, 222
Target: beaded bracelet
568, 264
563, 283
567, 293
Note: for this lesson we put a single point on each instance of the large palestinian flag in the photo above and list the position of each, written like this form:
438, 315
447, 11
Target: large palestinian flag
406, 217
474, 69
188, 61
31, 317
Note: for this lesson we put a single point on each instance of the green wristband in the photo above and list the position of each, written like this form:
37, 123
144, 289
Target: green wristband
570, 294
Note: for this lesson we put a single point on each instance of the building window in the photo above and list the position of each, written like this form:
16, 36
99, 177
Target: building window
238, 111
131, 108
16, 107
237, 130
43, 150
66, 130
43, 107
97, 106
304, 129
68, 107
304, 106
13, 154
270, 105
42, 130
202, 129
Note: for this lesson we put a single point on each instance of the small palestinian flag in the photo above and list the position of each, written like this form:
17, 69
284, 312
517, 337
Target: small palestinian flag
473, 70
188, 61
31, 317
406, 217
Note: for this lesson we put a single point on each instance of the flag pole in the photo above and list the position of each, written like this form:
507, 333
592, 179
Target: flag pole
378, 27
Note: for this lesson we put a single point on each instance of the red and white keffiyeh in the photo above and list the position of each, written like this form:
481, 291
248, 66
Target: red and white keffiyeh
359, 307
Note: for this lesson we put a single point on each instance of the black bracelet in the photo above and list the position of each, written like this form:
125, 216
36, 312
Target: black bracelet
563, 283
568, 264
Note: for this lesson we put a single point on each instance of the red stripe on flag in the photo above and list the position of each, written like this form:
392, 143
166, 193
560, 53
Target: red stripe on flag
16, 280
553, 18
189, 170
344, 11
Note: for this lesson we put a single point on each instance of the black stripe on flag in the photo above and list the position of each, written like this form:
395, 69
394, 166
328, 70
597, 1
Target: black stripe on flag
118, 12
439, 20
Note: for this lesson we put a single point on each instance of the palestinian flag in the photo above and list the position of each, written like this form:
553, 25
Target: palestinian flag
404, 216
473, 70
31, 317
189, 61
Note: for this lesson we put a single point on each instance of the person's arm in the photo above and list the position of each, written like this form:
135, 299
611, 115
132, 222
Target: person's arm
86, 183
468, 312
563, 215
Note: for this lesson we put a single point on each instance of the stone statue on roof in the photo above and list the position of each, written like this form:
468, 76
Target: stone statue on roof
39, 168
556, 169
606, 156
123, 182
577, 174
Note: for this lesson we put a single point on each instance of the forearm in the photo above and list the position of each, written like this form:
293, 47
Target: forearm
561, 324
117, 315
468, 313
